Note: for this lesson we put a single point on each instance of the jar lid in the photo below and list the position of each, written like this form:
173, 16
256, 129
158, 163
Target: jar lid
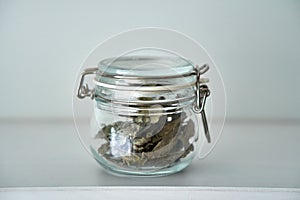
146, 73
145, 66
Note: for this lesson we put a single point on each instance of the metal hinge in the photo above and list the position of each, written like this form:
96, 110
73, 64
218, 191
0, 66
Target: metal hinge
83, 90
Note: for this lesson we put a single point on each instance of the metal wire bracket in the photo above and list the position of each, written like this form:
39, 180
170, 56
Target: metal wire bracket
202, 92
83, 90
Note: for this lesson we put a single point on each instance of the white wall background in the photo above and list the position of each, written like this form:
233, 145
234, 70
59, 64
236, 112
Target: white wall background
256, 45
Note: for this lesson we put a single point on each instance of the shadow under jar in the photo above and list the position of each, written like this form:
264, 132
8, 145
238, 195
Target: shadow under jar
145, 119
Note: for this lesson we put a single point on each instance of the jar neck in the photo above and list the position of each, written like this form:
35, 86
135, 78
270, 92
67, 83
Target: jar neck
139, 103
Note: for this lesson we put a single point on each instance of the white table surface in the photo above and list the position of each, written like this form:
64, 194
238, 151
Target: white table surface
250, 158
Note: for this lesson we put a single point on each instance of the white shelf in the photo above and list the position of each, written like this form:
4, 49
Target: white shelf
45, 157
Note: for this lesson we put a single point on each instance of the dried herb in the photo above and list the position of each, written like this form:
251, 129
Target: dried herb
148, 140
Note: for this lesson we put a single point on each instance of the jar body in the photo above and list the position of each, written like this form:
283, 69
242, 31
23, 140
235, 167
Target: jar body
146, 144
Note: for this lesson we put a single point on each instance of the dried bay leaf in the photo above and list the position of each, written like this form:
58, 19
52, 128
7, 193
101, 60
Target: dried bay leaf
146, 141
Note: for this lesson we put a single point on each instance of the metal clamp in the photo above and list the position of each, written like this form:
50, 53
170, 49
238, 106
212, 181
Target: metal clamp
202, 92
83, 90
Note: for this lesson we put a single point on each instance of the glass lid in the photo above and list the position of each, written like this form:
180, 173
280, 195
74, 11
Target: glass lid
146, 63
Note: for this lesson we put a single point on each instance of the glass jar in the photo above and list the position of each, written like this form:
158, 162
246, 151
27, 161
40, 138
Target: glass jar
146, 108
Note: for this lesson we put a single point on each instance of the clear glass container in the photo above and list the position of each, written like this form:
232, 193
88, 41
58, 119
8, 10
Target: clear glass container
146, 112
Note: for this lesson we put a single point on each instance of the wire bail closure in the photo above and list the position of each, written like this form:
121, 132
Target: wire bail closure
201, 91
